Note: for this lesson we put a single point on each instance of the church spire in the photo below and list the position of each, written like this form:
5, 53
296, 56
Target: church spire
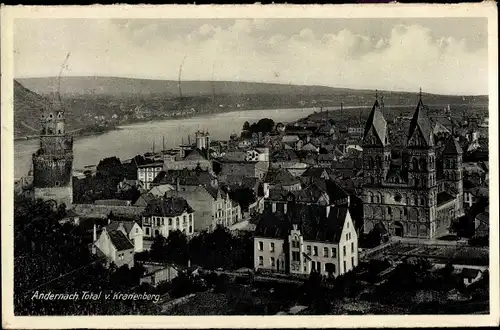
420, 124
376, 131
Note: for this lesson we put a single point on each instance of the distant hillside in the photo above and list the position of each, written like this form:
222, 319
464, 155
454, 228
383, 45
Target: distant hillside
121, 86
113, 86
104, 101
27, 106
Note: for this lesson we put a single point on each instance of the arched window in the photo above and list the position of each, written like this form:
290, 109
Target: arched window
423, 164
422, 201
371, 198
415, 164
405, 211
389, 210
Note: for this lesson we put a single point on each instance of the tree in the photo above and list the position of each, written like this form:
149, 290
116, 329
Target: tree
177, 248
158, 250
131, 194
463, 226
109, 167
246, 126
265, 125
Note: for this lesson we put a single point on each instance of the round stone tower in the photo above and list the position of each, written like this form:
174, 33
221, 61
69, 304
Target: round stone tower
53, 161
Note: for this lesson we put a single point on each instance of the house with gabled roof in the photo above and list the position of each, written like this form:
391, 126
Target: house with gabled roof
115, 246
306, 239
131, 229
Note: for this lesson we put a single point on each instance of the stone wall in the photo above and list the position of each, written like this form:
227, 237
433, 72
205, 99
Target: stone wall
58, 194
99, 211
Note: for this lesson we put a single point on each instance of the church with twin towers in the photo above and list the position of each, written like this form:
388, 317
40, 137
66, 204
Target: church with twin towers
418, 194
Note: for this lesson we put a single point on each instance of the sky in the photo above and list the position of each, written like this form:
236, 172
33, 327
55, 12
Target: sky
440, 55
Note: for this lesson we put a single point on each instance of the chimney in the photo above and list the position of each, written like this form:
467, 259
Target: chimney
95, 232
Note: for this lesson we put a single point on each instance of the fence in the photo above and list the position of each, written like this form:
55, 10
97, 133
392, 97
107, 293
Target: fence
378, 249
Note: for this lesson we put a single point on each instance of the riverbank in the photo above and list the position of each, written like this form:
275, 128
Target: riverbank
164, 118
75, 136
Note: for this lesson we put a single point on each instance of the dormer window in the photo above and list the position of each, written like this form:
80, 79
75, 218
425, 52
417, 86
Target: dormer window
50, 116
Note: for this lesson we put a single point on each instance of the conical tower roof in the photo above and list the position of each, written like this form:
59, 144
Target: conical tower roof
452, 147
376, 125
420, 123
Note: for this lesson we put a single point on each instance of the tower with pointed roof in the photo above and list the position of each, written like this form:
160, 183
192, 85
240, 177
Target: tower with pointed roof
53, 161
420, 164
420, 150
376, 146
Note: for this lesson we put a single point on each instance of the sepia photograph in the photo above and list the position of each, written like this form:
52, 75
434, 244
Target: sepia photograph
287, 163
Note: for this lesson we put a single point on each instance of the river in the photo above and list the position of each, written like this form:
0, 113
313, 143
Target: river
134, 139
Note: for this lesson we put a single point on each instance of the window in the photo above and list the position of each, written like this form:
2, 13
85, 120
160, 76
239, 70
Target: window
295, 244
344, 251
308, 250
318, 267
177, 222
162, 221
190, 217
261, 261
347, 236
347, 224
261, 246
58, 183
170, 221
352, 246
147, 231
136, 230
345, 266
334, 252
315, 250
405, 211
295, 256
184, 220
271, 247
352, 262
389, 210
190, 229
325, 252
272, 262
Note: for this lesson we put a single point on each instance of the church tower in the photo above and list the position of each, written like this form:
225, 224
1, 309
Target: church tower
376, 146
421, 166
453, 172
376, 164
53, 161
